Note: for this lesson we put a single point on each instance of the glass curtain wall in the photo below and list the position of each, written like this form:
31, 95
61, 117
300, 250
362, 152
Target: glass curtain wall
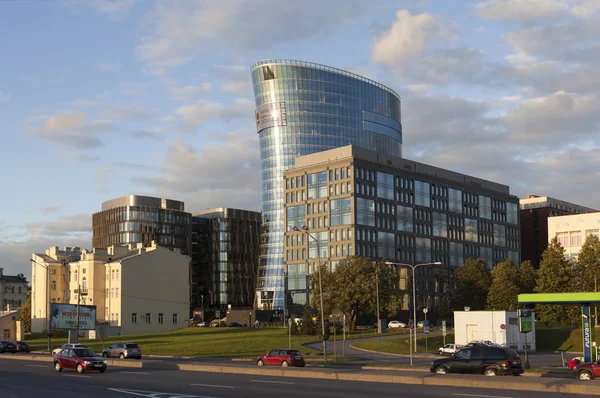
304, 108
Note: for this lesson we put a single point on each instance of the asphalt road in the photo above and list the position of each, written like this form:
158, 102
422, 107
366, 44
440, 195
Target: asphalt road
27, 379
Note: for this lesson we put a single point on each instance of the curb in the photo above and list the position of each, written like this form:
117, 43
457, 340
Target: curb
118, 363
550, 386
426, 371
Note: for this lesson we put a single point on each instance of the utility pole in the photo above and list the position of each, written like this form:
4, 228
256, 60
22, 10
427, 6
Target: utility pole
377, 292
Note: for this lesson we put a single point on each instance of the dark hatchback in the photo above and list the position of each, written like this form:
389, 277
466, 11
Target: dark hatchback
7, 346
22, 346
480, 359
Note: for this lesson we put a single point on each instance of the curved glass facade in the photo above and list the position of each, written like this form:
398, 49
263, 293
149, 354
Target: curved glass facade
304, 108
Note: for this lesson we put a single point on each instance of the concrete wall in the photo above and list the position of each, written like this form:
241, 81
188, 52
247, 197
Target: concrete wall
582, 224
8, 325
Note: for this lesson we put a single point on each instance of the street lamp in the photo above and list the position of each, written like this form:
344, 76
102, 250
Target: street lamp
305, 229
48, 301
413, 266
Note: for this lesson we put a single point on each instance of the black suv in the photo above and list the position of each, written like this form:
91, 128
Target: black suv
480, 359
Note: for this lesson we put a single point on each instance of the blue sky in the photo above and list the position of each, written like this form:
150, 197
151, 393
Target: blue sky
100, 98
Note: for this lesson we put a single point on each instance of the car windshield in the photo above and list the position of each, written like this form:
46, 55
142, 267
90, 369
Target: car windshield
84, 352
132, 346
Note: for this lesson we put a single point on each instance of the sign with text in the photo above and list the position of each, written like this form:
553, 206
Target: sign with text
444, 328
588, 333
525, 324
64, 316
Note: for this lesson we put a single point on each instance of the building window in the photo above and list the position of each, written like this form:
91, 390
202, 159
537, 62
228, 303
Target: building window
84, 285
106, 293
161, 318
175, 318
595, 232
52, 285
148, 318
385, 186
456, 254
404, 218
454, 200
386, 245
423, 249
317, 185
440, 224
341, 212
112, 273
576, 239
117, 274
117, 292
499, 235
486, 253
296, 217
365, 212
471, 234
512, 213
563, 238
422, 197
485, 207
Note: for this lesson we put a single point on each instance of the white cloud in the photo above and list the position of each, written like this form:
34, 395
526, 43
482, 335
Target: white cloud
71, 129
112, 7
129, 112
183, 93
178, 30
586, 8
155, 133
154, 72
406, 39
4, 97
200, 112
226, 173
110, 67
241, 85
134, 89
522, 10
85, 103
74, 225
47, 210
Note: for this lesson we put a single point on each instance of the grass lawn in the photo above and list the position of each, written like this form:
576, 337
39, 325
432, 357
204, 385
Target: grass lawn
560, 338
400, 346
203, 342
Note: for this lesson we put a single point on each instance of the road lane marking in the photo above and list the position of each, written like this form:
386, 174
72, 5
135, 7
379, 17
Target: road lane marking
210, 385
76, 376
134, 373
272, 382
38, 366
480, 396
154, 394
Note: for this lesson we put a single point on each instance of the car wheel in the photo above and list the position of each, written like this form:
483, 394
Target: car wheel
260, 362
79, 368
441, 352
441, 370
105, 355
584, 375
490, 371
285, 364
57, 367
122, 356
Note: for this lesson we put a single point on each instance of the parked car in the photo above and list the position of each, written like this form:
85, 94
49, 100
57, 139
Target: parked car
281, 357
234, 325
122, 350
587, 371
480, 359
57, 350
22, 346
80, 359
7, 346
449, 349
396, 324
202, 324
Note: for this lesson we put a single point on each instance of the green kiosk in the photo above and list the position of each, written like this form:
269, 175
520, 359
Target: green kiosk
585, 300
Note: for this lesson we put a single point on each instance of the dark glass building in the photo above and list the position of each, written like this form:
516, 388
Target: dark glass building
142, 219
224, 257
303, 108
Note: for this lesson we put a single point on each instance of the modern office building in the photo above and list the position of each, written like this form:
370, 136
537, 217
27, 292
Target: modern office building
225, 247
356, 201
142, 219
573, 230
303, 108
535, 212
13, 291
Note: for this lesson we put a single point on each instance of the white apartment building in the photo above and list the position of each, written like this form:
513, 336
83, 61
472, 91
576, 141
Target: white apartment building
572, 231
13, 291
118, 280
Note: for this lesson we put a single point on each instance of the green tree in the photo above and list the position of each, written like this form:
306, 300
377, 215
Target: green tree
351, 288
25, 314
555, 275
527, 277
308, 325
505, 287
589, 261
473, 281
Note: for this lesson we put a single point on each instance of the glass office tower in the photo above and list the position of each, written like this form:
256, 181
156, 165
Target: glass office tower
303, 108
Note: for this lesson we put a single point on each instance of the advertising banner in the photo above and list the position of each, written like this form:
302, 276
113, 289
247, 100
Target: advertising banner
587, 333
64, 316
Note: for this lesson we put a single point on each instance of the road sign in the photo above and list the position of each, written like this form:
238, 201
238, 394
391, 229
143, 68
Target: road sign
425, 310
503, 326
217, 313
426, 327
444, 328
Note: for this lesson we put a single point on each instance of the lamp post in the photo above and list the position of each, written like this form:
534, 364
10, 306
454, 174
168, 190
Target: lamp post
48, 301
377, 293
413, 266
305, 229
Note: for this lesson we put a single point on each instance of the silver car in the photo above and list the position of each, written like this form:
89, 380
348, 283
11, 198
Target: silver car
123, 350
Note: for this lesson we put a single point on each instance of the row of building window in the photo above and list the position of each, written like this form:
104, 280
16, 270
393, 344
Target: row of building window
575, 238
148, 317
11, 289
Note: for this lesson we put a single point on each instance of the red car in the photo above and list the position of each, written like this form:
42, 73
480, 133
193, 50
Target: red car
81, 359
587, 371
281, 357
